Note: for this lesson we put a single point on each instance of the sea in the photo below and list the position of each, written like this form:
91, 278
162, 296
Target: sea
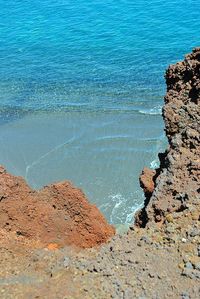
81, 91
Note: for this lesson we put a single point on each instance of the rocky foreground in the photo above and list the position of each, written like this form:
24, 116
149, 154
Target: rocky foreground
159, 257
144, 263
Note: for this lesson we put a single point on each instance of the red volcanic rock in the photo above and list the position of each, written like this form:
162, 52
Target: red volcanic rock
58, 214
177, 182
147, 181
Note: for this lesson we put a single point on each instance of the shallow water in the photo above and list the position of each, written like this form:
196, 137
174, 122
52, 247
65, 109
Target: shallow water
81, 88
100, 152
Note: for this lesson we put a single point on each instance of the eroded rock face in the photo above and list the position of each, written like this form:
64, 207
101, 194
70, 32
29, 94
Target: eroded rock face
177, 181
147, 181
59, 213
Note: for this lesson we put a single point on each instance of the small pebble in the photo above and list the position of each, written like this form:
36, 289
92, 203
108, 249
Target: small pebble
169, 218
188, 265
185, 295
194, 233
66, 262
197, 266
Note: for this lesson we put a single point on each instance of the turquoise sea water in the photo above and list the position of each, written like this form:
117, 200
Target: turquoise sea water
81, 89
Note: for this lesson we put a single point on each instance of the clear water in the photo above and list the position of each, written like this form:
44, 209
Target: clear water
81, 89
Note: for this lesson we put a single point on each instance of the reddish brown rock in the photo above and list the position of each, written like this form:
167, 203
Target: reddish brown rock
177, 183
147, 182
58, 214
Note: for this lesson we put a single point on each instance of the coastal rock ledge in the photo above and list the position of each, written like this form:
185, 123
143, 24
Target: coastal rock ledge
55, 216
175, 185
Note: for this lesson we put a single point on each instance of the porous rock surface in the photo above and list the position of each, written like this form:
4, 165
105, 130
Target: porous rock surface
145, 263
177, 181
59, 213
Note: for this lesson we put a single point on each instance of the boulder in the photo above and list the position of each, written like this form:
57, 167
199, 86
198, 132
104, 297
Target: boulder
58, 214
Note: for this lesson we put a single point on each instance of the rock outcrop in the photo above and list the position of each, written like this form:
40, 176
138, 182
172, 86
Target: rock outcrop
175, 186
58, 214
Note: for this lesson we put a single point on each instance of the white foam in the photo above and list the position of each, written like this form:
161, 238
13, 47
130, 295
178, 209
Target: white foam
121, 211
154, 164
157, 110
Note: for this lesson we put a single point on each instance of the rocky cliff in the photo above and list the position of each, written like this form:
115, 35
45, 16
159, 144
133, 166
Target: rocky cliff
175, 185
58, 214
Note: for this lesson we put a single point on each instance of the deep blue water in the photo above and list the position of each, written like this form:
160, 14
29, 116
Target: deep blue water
87, 59
92, 54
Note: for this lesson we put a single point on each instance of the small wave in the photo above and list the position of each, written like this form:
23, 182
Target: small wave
120, 209
161, 145
152, 111
154, 164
